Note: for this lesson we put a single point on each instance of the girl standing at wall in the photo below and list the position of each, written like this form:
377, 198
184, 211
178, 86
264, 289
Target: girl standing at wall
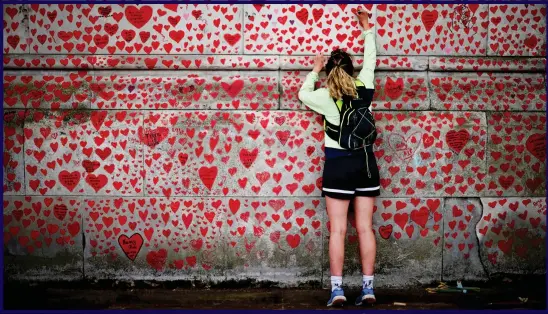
348, 174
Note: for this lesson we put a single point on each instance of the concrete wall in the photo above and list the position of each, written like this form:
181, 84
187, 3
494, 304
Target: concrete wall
167, 142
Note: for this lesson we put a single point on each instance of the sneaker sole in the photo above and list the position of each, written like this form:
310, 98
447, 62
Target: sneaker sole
337, 301
368, 300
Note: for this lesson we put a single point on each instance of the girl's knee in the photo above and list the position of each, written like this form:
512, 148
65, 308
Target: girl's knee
340, 231
363, 230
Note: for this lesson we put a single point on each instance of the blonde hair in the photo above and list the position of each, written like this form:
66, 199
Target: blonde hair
340, 83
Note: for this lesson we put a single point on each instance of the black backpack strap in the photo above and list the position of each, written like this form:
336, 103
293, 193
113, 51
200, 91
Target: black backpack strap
331, 130
340, 109
366, 94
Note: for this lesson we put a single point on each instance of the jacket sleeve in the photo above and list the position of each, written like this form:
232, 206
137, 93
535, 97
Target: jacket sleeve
311, 98
367, 73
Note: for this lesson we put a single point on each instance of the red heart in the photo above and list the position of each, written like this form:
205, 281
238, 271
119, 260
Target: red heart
60, 211
293, 240
157, 259
131, 246
233, 89
385, 231
248, 157
69, 179
393, 89
536, 145
208, 175
429, 18
420, 216
153, 137
531, 42
138, 16
97, 182
456, 140
232, 39
302, 15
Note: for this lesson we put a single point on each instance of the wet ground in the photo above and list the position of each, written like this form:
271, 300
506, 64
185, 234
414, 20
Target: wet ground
143, 295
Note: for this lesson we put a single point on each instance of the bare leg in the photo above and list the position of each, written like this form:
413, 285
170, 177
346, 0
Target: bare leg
337, 211
364, 226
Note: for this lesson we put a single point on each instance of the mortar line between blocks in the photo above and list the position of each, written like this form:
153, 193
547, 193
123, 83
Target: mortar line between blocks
144, 191
443, 236
242, 31
24, 157
83, 242
478, 240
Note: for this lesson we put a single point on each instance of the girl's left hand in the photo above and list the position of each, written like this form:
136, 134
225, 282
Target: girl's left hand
363, 17
319, 61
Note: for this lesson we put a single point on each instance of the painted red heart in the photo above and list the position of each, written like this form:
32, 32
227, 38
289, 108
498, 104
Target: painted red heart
157, 259
393, 89
60, 211
293, 240
233, 89
457, 140
232, 39
247, 157
420, 216
138, 16
153, 137
131, 246
531, 42
302, 15
69, 179
536, 145
96, 182
208, 175
385, 231
429, 18
90, 166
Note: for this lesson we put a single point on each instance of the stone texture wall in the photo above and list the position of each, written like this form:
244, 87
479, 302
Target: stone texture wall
167, 142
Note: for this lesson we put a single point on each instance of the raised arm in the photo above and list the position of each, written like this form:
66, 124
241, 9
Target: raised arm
310, 97
367, 73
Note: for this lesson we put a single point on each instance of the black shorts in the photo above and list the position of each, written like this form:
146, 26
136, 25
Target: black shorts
347, 176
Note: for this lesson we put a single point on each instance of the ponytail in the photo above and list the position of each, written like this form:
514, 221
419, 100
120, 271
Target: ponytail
340, 83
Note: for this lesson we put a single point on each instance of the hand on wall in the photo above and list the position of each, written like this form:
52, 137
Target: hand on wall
363, 17
319, 61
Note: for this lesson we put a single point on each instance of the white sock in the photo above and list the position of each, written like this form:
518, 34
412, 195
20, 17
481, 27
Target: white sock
336, 282
367, 282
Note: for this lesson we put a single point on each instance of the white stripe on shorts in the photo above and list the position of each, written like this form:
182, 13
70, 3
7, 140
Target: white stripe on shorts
369, 189
338, 191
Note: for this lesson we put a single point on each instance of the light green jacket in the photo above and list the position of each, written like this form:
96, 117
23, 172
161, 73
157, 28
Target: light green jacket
321, 102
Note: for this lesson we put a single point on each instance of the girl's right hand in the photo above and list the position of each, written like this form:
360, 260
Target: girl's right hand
319, 61
363, 17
